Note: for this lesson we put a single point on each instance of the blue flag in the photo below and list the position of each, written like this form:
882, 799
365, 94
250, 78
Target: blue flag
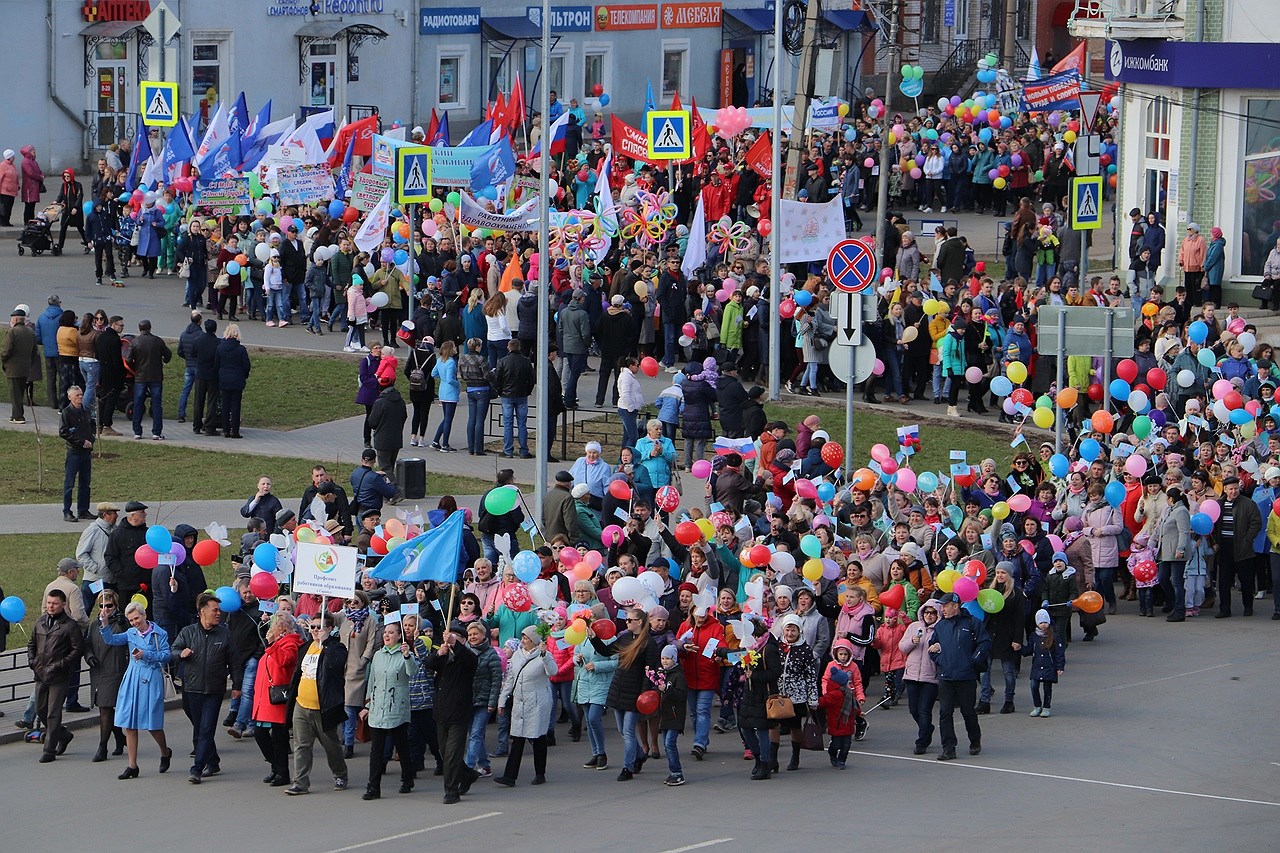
237, 124
479, 135
254, 130
344, 174
442, 133
431, 556
140, 154
649, 103
178, 147
494, 167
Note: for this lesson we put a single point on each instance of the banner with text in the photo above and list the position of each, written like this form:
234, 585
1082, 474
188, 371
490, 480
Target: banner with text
631, 142
1055, 92
809, 231
368, 190
325, 569
304, 184
223, 196
521, 219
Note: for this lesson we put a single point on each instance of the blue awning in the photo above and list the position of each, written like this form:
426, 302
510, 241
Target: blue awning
849, 21
513, 28
753, 20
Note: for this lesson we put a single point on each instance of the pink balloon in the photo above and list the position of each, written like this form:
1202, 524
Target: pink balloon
592, 560
1027, 546
723, 294
1020, 503
1056, 542
611, 534
966, 588
1135, 465
878, 369
1009, 406
570, 557
880, 452
889, 466
1221, 388
1213, 509
806, 489
690, 330
701, 469
906, 480
973, 375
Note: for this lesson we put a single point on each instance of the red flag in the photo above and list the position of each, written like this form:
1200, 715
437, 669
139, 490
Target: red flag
434, 127
515, 104
675, 102
499, 114
1073, 61
699, 141
363, 131
630, 142
760, 156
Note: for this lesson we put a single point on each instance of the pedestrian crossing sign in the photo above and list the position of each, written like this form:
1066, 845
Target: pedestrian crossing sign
413, 174
159, 104
668, 132
1086, 203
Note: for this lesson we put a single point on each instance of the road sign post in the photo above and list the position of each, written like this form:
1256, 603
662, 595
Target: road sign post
851, 266
413, 174
668, 134
159, 103
162, 25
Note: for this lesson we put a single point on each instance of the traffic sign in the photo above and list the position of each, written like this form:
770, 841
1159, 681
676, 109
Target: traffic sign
162, 25
1088, 155
1086, 203
864, 362
668, 132
1089, 109
849, 311
159, 104
851, 266
413, 174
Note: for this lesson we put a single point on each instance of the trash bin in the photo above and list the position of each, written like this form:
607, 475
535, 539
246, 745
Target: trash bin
411, 476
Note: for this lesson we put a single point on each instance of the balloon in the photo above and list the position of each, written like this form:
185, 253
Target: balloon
620, 489
647, 702
1201, 524
806, 490
973, 375
1247, 340
1114, 493
229, 598
576, 633
1198, 332
1020, 502
880, 453
787, 308
894, 596
1042, 418
706, 528
146, 557
864, 479
1017, 372
907, 480
966, 588
1127, 369
812, 570
13, 609
307, 534
1103, 422
1000, 510
1186, 378
803, 298
265, 556
832, 454
1157, 378
649, 366
760, 555
1088, 602
1067, 398
1120, 390
516, 598
1059, 465
927, 481
667, 498
527, 566
701, 469
604, 99
501, 500
233, 268
783, 562
946, 579
765, 227
1206, 357
687, 533
811, 545
159, 539
990, 600
604, 628
1001, 386
264, 585
1135, 466
205, 552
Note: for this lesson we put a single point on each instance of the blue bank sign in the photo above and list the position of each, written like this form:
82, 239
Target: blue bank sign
1195, 65
565, 19
449, 20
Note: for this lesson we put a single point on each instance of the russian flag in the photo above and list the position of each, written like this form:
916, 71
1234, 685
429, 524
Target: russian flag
557, 136
744, 447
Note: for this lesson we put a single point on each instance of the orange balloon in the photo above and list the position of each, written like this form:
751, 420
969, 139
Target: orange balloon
1068, 397
1088, 602
1150, 309
1103, 422
864, 479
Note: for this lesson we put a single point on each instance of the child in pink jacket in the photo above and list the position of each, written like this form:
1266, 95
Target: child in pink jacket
892, 660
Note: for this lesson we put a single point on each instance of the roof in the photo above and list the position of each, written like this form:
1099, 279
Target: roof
755, 20
513, 28
848, 20
110, 29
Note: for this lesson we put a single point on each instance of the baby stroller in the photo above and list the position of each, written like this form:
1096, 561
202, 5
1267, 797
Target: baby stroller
37, 235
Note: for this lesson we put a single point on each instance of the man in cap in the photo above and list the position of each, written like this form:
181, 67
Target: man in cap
91, 551
961, 649
370, 486
293, 268
455, 666
1237, 527
127, 577
18, 355
559, 515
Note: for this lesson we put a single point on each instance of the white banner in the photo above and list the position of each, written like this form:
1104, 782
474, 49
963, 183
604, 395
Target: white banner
368, 191
809, 231
520, 219
374, 229
304, 184
325, 569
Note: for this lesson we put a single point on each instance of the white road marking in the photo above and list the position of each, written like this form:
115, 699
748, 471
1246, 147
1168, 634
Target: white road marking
451, 823
1131, 684
1075, 779
713, 842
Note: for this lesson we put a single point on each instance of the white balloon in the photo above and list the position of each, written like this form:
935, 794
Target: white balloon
1138, 401
1248, 341
1186, 378
262, 252
782, 562
368, 271
379, 300
543, 593
627, 591
1221, 412
653, 582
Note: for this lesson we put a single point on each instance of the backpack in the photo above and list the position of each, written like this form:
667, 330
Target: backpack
417, 379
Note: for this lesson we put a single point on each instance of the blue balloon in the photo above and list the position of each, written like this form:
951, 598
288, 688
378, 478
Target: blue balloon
1089, 449
1198, 332
802, 298
229, 599
13, 609
124, 197
1001, 386
826, 492
159, 539
398, 238
1114, 493
527, 566
604, 100
1240, 417
1059, 465
850, 135
927, 481
974, 609
264, 556
985, 134
1201, 524
401, 256
233, 268
88, 208
336, 208
1120, 390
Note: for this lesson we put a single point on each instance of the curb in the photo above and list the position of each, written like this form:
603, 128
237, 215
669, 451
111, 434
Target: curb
81, 722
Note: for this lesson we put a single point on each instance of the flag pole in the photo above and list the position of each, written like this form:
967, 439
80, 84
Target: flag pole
775, 205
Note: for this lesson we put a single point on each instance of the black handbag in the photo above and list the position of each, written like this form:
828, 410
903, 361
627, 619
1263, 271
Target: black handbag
1263, 291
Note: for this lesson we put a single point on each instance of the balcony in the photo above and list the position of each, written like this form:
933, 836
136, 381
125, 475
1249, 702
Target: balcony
1128, 19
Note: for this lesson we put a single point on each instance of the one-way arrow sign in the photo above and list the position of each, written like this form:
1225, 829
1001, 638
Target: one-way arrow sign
848, 317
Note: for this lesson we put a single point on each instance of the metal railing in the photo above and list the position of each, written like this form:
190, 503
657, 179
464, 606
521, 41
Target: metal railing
1110, 10
962, 62
103, 129
576, 427
17, 681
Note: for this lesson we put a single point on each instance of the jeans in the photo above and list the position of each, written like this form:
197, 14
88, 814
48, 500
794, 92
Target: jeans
1036, 687
893, 375
477, 757
961, 695
202, 709
188, 382
514, 408
422, 737
1105, 580
278, 306
593, 722
630, 431
79, 465
349, 725
1172, 580
90, 370
694, 448
576, 363
1044, 272
153, 390
313, 321
809, 379
561, 697
253, 299
921, 696
477, 412
446, 425
1010, 668
626, 722
243, 707
757, 740
941, 385
669, 743
494, 350
669, 344
297, 295
700, 705
338, 314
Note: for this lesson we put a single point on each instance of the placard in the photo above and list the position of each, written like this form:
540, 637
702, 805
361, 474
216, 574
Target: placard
222, 196
368, 191
325, 569
304, 184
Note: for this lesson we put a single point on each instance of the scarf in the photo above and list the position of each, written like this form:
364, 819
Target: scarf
356, 617
1071, 537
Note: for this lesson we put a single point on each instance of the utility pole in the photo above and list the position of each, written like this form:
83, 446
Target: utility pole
804, 93
1009, 55
539, 355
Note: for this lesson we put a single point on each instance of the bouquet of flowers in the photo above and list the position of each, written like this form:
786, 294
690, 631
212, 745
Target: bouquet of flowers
656, 677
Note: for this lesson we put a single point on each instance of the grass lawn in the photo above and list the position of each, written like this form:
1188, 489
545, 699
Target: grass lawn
155, 471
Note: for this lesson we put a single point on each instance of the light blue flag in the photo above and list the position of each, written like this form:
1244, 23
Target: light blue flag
431, 556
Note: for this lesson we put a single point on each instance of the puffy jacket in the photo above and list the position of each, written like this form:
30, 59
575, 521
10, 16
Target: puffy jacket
1109, 521
951, 355
701, 672
186, 343
758, 683
699, 397
233, 364
965, 647
888, 640
122, 567
207, 669
275, 668
47, 330
487, 684
919, 665
591, 687
1046, 662
387, 696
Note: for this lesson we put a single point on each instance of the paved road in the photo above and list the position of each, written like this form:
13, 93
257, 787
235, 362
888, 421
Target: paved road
1161, 736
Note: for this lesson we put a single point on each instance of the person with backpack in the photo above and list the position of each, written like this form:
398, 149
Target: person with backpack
422, 388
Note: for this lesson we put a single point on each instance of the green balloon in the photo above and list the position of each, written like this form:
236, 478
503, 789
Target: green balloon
1044, 402
1142, 426
501, 500
991, 601
1206, 357
453, 198
919, 72
908, 72
255, 185
436, 205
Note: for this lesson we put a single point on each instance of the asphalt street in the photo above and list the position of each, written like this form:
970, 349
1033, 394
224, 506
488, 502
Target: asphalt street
1161, 738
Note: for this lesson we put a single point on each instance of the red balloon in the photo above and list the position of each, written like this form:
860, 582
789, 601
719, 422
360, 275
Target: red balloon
760, 554
517, 599
1095, 392
832, 454
350, 215
647, 702
620, 489
1275, 506
649, 366
967, 480
1127, 369
1157, 378
687, 533
1233, 400
977, 570
145, 557
1023, 396
205, 553
893, 596
765, 227
667, 498
787, 308
1004, 171
597, 90
377, 544
1145, 571
263, 585
604, 628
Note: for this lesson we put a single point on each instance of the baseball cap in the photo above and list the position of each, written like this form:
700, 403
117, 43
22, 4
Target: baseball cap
368, 453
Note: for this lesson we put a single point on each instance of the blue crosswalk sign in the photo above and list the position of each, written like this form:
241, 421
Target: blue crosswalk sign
159, 104
413, 174
668, 132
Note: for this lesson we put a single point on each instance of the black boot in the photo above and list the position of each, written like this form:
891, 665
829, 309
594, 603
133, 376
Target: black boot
794, 764
119, 736
101, 754
758, 771
773, 762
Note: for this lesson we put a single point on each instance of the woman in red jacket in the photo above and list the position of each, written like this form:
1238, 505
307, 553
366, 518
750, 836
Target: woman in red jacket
275, 670
702, 648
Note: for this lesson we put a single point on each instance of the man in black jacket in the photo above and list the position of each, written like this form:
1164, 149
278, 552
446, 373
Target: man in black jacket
455, 668
513, 382
293, 268
122, 543
246, 649
491, 525
386, 420
110, 372
55, 646
316, 699
204, 351
370, 487
77, 429
731, 397
189, 336
148, 356
205, 650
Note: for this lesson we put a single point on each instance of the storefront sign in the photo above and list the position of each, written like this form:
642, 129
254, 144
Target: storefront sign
298, 8
95, 11
304, 184
1195, 65
369, 190
222, 196
626, 18
682, 16
726, 77
564, 19
449, 20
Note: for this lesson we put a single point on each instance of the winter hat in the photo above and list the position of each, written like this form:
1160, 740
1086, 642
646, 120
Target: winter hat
840, 676
580, 490
1042, 617
1060, 556
1004, 566
659, 612
669, 652
783, 591
791, 619
1074, 524
1215, 232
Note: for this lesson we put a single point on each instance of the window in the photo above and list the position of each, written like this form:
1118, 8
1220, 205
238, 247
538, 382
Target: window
1023, 19
962, 19
498, 75
930, 15
556, 76
595, 70
1260, 207
1158, 139
993, 13
206, 73
451, 74
675, 53
322, 81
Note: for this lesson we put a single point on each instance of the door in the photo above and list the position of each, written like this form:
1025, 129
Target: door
962, 19
109, 97
323, 81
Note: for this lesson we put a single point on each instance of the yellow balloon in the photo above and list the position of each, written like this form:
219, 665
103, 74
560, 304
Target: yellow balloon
1069, 137
1017, 372
1042, 418
999, 183
138, 599
946, 579
573, 635
708, 529
306, 534
1248, 429
893, 138
1000, 510
812, 570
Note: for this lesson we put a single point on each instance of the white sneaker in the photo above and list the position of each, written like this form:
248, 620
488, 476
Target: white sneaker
271, 324
361, 349
944, 210
413, 441
927, 209
673, 370
284, 323
348, 348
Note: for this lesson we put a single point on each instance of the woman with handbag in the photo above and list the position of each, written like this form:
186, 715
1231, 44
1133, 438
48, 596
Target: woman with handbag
761, 669
387, 710
271, 696
798, 686
528, 687
107, 665
140, 700
636, 653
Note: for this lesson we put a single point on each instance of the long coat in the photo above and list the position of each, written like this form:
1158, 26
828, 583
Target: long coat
759, 682
107, 664
149, 237
140, 702
528, 686
389, 674
358, 654
275, 669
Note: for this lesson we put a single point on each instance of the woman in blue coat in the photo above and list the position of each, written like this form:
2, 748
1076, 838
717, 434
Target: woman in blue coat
233, 376
151, 233
140, 702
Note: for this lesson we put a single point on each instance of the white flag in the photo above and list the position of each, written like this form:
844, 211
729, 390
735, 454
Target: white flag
308, 139
374, 229
606, 223
695, 253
